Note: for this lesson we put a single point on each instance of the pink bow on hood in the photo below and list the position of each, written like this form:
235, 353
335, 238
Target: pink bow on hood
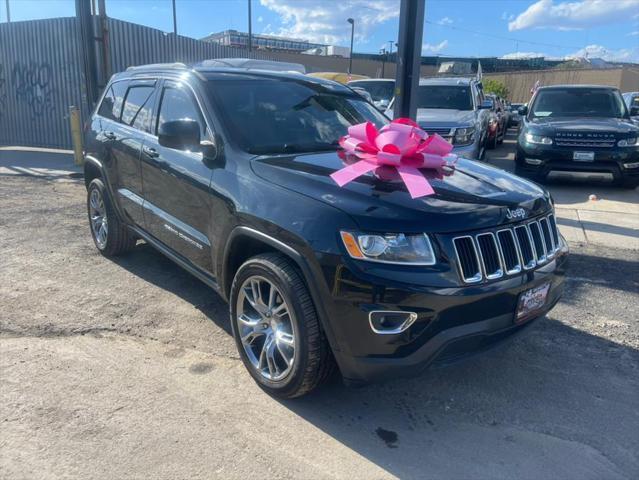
400, 144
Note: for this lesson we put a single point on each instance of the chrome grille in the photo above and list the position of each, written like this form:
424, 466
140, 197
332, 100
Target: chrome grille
561, 142
488, 256
585, 139
538, 242
446, 132
510, 251
467, 259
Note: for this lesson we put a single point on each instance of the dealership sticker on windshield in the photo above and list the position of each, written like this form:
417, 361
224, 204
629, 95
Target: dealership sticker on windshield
530, 301
583, 156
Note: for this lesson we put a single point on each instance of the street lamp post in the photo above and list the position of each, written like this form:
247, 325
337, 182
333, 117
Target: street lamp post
350, 56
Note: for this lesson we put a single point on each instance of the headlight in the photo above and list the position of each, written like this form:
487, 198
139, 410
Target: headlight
538, 139
390, 248
464, 136
629, 142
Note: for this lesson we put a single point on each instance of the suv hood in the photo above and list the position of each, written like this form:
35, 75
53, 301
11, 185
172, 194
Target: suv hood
475, 196
583, 124
445, 117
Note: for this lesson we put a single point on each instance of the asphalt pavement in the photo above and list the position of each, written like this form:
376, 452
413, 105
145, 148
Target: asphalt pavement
126, 369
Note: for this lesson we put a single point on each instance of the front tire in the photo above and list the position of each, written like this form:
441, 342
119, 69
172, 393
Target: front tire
110, 236
276, 328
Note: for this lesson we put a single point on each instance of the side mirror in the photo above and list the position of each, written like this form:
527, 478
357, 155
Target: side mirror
211, 151
634, 111
522, 110
180, 135
486, 105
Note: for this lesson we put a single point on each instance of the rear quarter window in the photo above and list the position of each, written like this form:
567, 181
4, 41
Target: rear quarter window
111, 105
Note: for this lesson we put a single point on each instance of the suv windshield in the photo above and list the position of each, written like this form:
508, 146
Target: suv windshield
378, 90
578, 102
266, 115
456, 97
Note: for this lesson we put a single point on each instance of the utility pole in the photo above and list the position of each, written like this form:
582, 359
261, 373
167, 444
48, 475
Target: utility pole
250, 29
174, 21
104, 38
350, 56
176, 47
87, 46
8, 11
411, 30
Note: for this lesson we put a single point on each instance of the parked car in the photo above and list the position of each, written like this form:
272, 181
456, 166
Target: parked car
363, 93
382, 90
455, 109
632, 103
226, 172
497, 124
581, 131
339, 77
514, 114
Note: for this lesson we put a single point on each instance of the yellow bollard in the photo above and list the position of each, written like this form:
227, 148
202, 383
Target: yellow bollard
76, 135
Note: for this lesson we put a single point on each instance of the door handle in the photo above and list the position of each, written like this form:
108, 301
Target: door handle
150, 151
110, 136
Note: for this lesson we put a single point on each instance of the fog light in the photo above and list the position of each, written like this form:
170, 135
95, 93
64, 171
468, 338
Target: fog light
385, 322
533, 161
631, 165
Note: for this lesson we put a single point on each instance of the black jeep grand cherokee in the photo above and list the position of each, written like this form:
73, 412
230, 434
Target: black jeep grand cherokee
579, 131
226, 172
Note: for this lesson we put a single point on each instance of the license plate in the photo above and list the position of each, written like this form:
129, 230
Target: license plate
530, 301
583, 156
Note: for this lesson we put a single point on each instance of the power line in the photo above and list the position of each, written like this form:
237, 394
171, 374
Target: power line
499, 37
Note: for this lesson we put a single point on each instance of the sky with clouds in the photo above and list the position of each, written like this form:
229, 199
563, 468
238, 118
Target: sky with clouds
503, 28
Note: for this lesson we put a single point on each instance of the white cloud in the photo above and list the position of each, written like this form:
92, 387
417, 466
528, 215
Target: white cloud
633, 34
599, 51
428, 48
590, 51
325, 22
507, 16
445, 21
260, 19
573, 15
522, 55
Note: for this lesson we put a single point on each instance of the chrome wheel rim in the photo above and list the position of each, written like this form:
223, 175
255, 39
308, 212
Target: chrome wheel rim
266, 328
98, 218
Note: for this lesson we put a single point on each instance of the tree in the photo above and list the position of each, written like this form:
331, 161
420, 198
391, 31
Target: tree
496, 87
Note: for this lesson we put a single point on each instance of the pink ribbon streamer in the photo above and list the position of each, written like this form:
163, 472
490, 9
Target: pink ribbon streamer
400, 144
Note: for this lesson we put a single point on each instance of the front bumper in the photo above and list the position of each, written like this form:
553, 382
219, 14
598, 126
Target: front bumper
451, 322
610, 164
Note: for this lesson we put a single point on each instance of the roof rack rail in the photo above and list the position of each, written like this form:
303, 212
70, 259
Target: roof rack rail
175, 65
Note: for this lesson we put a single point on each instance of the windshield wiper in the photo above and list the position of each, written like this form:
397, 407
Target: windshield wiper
293, 148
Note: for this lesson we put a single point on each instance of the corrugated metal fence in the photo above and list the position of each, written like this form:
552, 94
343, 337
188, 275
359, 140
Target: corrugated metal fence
42, 74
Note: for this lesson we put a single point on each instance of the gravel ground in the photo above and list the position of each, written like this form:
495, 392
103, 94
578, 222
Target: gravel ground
126, 369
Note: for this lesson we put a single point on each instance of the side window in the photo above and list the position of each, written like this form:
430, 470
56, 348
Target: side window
112, 101
178, 104
138, 107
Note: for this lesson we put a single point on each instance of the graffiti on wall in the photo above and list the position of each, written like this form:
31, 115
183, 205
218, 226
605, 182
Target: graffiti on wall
33, 87
3, 92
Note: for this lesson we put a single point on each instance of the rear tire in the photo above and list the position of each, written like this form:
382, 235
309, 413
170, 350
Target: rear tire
287, 354
110, 235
